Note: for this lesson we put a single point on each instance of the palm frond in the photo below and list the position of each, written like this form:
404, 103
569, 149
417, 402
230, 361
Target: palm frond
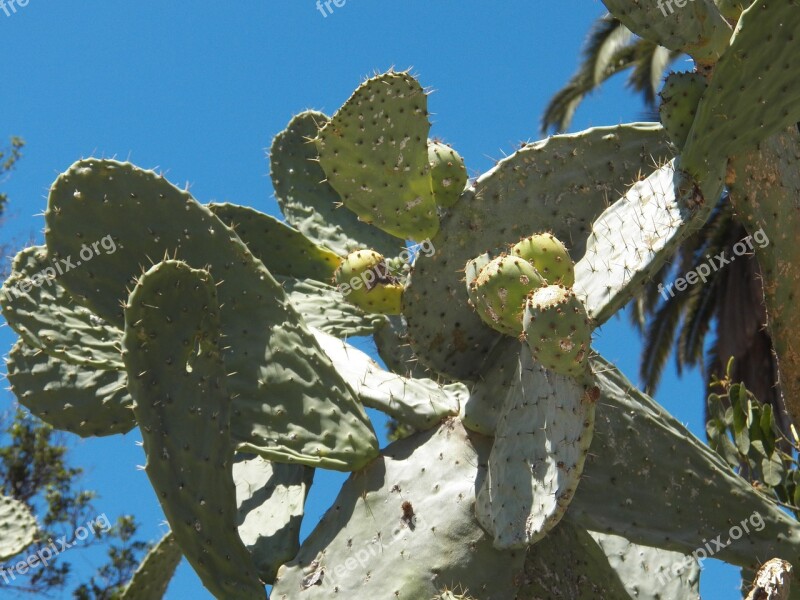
659, 336
600, 61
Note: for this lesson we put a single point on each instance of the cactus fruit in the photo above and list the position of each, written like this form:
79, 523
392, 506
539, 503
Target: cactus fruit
17, 527
679, 99
448, 174
374, 152
549, 256
365, 280
557, 330
561, 184
498, 292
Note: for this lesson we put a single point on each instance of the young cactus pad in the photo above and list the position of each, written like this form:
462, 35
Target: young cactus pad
364, 280
448, 174
498, 292
557, 329
375, 155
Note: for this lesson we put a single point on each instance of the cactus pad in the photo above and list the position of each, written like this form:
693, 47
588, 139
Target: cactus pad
268, 349
323, 307
151, 579
420, 403
45, 316
76, 398
448, 174
405, 528
651, 572
639, 453
680, 97
633, 238
374, 152
283, 250
541, 441
308, 201
17, 527
754, 91
696, 27
271, 499
172, 345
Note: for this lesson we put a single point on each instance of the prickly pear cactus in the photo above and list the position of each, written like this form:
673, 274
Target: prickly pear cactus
530, 466
17, 527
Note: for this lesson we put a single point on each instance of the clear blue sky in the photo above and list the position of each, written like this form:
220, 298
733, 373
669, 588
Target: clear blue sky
199, 89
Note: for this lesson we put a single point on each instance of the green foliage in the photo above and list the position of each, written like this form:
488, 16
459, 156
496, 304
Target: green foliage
744, 432
35, 470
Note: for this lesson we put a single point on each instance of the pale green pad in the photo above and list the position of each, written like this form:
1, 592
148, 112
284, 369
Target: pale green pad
283, 250
569, 565
368, 546
420, 403
79, 399
271, 499
640, 452
374, 152
45, 316
151, 579
17, 527
290, 405
323, 307
631, 240
542, 438
754, 91
651, 572
308, 201
178, 380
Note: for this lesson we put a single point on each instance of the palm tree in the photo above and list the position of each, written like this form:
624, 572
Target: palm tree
732, 297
